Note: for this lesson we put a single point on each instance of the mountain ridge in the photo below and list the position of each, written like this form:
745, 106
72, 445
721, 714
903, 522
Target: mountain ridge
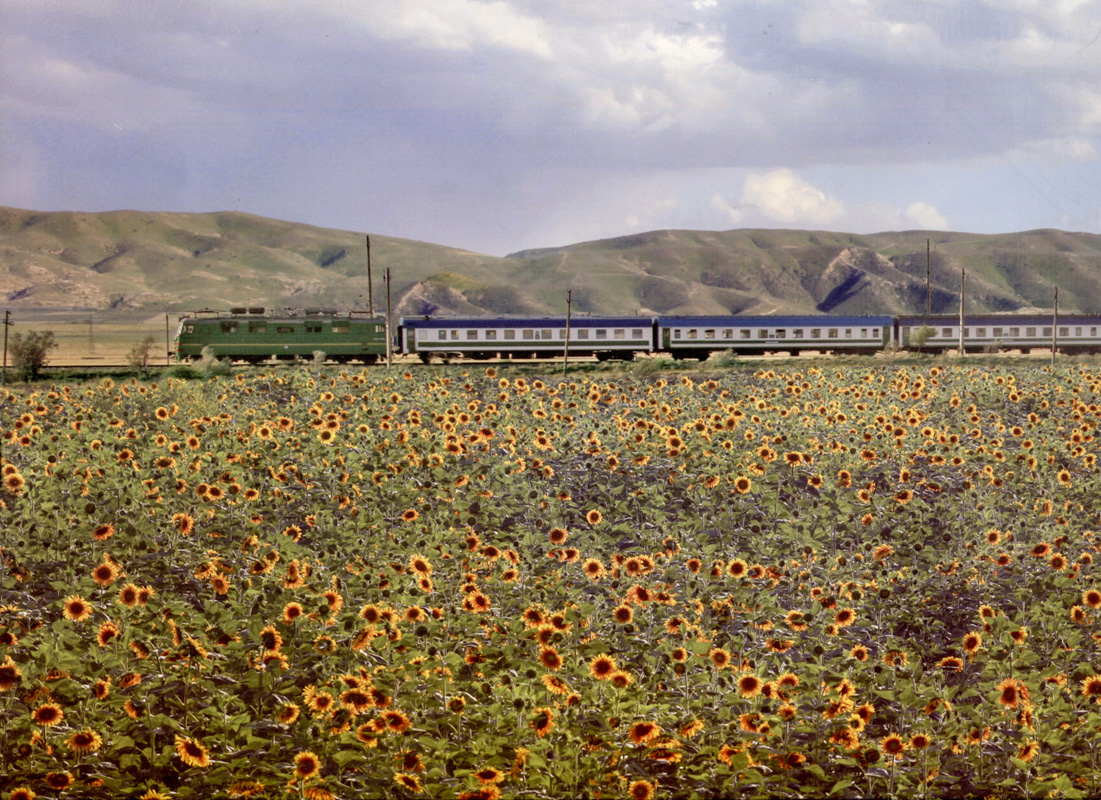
130, 261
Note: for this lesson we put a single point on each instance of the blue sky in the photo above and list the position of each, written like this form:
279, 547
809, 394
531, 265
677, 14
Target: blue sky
511, 124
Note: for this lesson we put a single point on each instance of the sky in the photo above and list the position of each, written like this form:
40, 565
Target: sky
501, 125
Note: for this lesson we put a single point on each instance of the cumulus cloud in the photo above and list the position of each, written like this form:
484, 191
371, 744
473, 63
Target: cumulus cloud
782, 196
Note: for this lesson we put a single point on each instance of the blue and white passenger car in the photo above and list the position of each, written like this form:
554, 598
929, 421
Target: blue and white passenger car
699, 337
525, 337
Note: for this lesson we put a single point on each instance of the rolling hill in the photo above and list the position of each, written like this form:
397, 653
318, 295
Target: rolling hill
130, 262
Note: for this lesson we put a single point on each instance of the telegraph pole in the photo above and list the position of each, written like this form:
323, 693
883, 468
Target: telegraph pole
370, 296
1055, 327
7, 324
963, 278
566, 344
389, 338
928, 282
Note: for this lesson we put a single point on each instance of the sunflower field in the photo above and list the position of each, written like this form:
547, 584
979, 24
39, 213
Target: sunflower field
830, 580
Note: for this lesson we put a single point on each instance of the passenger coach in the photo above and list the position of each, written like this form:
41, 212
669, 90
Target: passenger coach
699, 337
1077, 333
525, 337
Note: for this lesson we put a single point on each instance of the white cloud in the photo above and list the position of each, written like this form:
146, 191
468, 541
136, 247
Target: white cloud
735, 215
782, 196
924, 216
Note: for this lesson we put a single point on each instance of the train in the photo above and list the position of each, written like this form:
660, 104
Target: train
256, 334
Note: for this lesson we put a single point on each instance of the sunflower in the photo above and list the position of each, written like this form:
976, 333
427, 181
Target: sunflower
593, 569
543, 721
623, 614
489, 775
640, 790
972, 643
410, 783
22, 793
892, 745
47, 714
288, 713
737, 568
643, 732
919, 741
191, 752
602, 667
594, 517
86, 741
743, 485
720, 657
1028, 750
307, 765
410, 515
396, 721
1012, 693
859, 652
550, 658
844, 617
1091, 688
9, 674
76, 608
749, 686
1092, 598
59, 781
103, 532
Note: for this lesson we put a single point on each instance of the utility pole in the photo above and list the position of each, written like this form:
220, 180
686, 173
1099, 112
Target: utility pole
370, 296
7, 324
963, 278
389, 338
1055, 327
167, 341
928, 282
566, 344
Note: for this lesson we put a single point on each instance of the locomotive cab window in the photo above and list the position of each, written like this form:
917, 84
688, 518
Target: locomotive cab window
189, 329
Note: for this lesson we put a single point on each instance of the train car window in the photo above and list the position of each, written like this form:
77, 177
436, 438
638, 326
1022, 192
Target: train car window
709, 333
693, 333
745, 333
583, 333
1064, 331
491, 335
620, 333
676, 333
510, 334
636, 333
797, 333
313, 329
1030, 332
1077, 331
472, 335
816, 333
875, 333
728, 333
1047, 332
980, 332
340, 327
947, 332
966, 332
258, 327
762, 333
561, 333
781, 333
848, 333
443, 335
1014, 332
601, 333
997, 333
285, 329
546, 334
454, 335
1093, 331
863, 333
229, 327
528, 334
832, 334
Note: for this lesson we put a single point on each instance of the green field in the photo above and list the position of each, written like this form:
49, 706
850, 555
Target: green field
784, 580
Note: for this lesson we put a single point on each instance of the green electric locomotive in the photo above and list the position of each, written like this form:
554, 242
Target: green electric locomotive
254, 335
